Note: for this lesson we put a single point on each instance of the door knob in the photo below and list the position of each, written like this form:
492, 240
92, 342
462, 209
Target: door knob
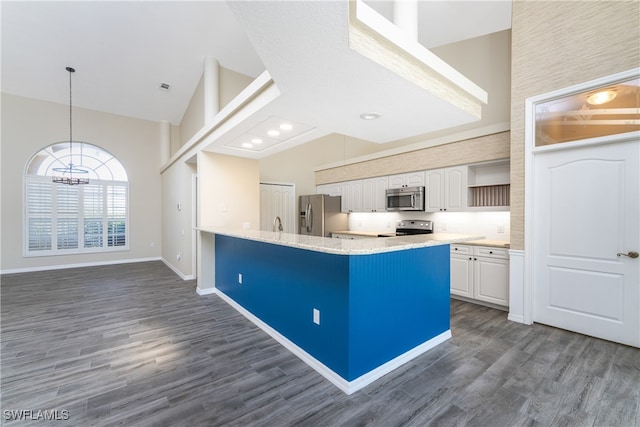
630, 254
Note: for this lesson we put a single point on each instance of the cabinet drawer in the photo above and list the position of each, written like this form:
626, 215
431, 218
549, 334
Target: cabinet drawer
491, 252
460, 249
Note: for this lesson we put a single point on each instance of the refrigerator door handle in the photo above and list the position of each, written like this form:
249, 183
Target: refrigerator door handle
309, 218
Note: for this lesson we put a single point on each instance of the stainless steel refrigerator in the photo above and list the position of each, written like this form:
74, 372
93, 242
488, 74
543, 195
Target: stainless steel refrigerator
320, 214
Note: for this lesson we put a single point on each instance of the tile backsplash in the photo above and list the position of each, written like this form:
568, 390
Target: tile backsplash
493, 225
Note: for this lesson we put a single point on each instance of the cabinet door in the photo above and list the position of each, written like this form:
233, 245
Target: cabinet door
455, 188
491, 280
410, 179
434, 194
352, 196
462, 275
414, 179
373, 194
330, 189
396, 181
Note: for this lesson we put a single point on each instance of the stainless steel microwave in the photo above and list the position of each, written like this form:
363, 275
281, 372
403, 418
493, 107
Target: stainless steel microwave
405, 199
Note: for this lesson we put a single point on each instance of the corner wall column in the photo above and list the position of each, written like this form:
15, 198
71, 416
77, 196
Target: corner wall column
405, 17
211, 89
165, 141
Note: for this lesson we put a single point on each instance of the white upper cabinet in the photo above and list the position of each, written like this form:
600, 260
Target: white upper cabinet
330, 189
446, 189
373, 194
352, 196
411, 179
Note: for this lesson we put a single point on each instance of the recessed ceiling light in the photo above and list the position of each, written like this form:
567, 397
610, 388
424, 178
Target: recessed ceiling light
369, 116
247, 145
286, 126
256, 140
273, 132
165, 86
601, 97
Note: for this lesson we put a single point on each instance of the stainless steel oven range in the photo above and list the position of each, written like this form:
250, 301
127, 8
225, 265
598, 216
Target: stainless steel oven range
409, 227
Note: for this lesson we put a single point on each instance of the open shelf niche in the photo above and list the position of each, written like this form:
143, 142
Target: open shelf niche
488, 185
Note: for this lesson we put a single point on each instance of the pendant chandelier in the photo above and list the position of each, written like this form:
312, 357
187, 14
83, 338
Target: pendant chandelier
71, 174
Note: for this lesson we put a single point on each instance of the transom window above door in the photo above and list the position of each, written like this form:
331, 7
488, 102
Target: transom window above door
73, 219
596, 112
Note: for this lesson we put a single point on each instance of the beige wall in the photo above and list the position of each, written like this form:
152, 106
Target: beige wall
230, 84
29, 125
229, 189
558, 44
177, 225
297, 164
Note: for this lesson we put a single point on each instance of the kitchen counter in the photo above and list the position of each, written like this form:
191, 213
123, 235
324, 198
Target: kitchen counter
488, 242
481, 242
353, 310
345, 246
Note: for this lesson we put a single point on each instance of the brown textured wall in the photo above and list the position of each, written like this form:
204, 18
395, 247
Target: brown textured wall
556, 44
490, 147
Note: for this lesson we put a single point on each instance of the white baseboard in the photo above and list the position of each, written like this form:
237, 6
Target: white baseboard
208, 291
77, 265
347, 387
178, 272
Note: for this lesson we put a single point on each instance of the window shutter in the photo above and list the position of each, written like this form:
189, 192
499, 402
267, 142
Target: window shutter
116, 215
93, 199
67, 216
74, 219
39, 213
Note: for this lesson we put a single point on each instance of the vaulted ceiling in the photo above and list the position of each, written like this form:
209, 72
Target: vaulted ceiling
124, 51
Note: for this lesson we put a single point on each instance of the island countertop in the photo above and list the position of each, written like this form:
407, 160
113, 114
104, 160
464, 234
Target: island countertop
344, 246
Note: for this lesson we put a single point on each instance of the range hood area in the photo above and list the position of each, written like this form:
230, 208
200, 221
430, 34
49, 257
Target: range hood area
330, 64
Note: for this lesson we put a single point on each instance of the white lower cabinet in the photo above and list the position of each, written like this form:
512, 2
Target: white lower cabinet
480, 273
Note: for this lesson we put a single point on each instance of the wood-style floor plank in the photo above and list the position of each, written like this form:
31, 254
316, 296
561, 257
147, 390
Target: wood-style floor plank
135, 345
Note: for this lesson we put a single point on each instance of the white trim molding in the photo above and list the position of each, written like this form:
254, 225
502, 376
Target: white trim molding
77, 265
516, 286
526, 286
347, 387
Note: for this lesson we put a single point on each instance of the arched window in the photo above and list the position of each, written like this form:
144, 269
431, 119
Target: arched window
70, 219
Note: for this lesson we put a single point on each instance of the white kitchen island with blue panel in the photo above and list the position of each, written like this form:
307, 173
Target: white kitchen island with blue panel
352, 309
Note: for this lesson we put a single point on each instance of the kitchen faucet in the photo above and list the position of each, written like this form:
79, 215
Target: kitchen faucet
279, 222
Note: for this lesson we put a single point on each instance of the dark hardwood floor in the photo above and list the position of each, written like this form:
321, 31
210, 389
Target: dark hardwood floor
135, 345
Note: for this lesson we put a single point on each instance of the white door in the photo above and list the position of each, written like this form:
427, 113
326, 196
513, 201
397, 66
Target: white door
586, 207
277, 200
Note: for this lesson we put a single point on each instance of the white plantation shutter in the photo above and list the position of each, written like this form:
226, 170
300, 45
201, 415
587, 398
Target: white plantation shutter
116, 215
39, 213
67, 216
65, 219
94, 209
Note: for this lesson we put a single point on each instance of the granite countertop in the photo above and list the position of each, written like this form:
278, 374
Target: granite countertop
345, 246
488, 242
481, 242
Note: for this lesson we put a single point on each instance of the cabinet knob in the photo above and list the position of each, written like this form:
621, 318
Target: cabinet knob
490, 252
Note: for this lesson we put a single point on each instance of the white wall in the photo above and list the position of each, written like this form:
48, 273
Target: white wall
29, 125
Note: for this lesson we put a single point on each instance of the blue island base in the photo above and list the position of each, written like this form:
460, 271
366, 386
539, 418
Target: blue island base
353, 318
